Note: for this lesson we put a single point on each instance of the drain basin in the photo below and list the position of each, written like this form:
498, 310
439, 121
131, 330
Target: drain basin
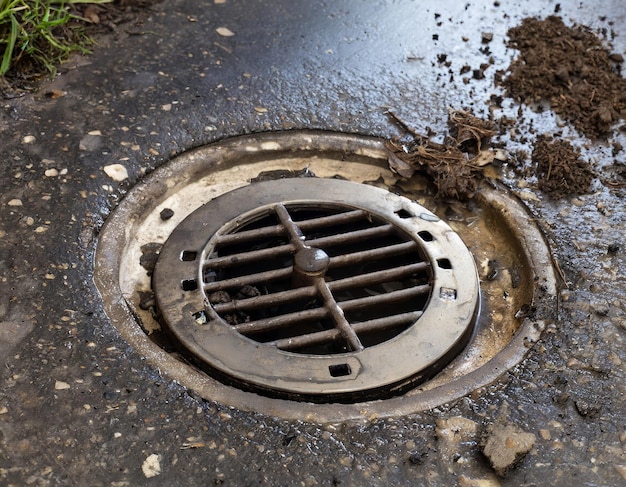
319, 289
331, 290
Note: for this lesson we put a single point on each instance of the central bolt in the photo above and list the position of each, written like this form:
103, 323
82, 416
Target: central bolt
311, 261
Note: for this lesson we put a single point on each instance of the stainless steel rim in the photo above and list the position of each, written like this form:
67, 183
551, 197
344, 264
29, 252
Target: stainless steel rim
435, 308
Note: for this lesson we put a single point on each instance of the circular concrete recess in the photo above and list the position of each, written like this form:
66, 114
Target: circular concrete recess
512, 260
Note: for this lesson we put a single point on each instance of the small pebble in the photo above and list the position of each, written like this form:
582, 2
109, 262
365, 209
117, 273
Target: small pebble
116, 172
487, 37
151, 467
60, 385
224, 32
166, 213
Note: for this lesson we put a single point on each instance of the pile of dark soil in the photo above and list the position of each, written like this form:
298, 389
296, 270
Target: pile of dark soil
560, 170
569, 67
456, 166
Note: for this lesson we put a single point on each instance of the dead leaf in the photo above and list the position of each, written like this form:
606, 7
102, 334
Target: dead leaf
399, 166
483, 158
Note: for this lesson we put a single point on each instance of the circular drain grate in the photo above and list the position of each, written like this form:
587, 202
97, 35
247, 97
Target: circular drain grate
317, 289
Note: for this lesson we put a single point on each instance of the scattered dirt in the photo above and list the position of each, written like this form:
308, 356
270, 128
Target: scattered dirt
566, 66
456, 166
560, 170
571, 68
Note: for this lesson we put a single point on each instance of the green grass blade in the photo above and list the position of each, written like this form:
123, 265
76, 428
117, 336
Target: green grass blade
80, 1
8, 51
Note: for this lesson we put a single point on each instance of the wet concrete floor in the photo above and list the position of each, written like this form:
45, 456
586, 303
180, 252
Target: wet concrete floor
79, 407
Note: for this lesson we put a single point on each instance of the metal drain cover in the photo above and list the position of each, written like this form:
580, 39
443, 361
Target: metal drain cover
317, 289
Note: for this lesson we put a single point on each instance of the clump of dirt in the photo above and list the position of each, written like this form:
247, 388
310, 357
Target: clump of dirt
456, 165
560, 170
569, 67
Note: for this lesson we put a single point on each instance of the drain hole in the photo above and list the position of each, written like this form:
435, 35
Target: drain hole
426, 236
444, 263
188, 255
189, 285
339, 370
402, 213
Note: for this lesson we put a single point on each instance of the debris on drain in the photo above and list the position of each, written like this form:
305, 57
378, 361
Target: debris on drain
456, 165
149, 256
505, 445
560, 169
283, 174
166, 214
570, 68
146, 300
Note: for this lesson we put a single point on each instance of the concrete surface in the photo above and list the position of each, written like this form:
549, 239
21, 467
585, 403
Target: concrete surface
79, 407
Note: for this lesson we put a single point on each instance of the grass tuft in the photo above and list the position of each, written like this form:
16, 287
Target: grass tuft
40, 32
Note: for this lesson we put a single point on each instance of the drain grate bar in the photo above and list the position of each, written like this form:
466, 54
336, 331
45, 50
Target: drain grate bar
388, 298
259, 277
308, 340
338, 317
295, 234
330, 336
275, 299
378, 276
282, 321
248, 257
331, 220
372, 254
350, 237
387, 322
278, 230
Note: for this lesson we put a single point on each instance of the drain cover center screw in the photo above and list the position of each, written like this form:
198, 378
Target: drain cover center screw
311, 261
